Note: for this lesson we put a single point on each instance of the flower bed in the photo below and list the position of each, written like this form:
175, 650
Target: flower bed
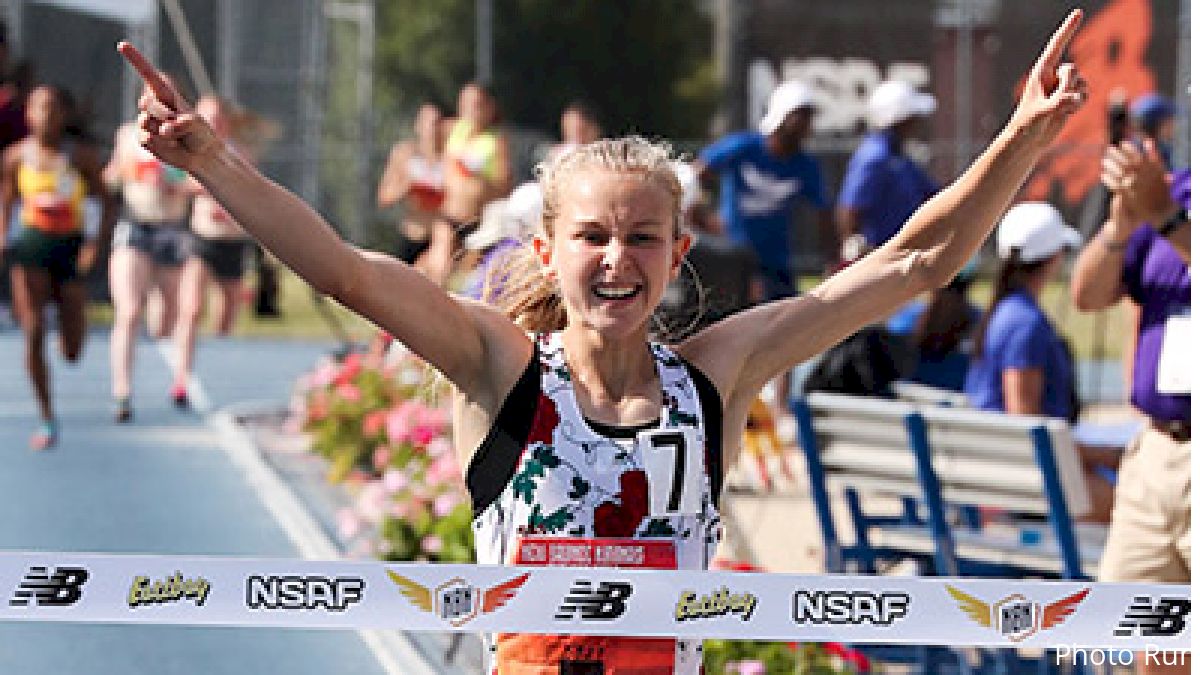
384, 429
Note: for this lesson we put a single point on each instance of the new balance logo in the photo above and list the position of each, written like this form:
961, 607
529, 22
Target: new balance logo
61, 588
605, 602
1167, 618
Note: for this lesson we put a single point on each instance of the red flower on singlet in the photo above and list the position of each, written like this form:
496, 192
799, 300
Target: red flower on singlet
545, 419
621, 518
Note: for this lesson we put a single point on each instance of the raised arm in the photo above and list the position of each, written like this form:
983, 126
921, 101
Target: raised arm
461, 340
744, 351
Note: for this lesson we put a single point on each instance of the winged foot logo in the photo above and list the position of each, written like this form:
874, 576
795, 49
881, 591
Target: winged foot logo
456, 601
1016, 617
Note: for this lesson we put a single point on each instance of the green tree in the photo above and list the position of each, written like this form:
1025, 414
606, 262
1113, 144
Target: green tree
424, 50
644, 64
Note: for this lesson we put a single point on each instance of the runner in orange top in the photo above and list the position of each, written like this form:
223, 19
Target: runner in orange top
46, 178
590, 435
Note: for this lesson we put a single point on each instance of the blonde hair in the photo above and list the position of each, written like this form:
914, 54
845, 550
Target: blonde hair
517, 285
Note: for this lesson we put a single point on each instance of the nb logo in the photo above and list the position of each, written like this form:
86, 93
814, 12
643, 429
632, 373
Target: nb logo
60, 589
1165, 619
604, 602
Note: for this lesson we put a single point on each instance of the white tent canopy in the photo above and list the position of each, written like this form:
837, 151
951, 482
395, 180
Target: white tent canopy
125, 11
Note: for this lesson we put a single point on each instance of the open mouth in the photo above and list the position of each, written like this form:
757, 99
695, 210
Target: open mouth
616, 291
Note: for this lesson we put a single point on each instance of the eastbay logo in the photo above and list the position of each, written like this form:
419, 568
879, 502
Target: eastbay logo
718, 603
144, 591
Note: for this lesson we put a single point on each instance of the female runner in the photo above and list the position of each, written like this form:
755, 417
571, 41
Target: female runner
50, 175
588, 431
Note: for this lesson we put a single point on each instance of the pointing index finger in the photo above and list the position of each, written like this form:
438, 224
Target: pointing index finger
149, 74
1057, 46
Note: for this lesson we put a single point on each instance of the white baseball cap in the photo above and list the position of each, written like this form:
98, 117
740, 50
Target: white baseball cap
897, 100
517, 217
690, 182
788, 96
1035, 230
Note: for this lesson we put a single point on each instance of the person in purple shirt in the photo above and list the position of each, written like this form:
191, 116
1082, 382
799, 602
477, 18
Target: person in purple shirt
764, 175
1143, 252
883, 186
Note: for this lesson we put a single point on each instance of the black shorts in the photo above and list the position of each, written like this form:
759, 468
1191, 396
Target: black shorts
409, 250
225, 258
167, 244
58, 255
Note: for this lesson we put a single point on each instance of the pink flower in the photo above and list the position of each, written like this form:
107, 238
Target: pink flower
751, 668
394, 481
444, 503
350, 369
422, 434
439, 446
382, 457
373, 422
431, 544
443, 469
398, 423
348, 523
348, 392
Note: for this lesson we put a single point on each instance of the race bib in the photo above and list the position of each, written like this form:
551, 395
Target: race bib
674, 466
1175, 361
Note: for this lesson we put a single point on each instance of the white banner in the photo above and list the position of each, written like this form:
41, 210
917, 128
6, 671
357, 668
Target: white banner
425, 597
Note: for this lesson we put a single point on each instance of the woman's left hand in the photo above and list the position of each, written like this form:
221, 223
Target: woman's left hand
1053, 90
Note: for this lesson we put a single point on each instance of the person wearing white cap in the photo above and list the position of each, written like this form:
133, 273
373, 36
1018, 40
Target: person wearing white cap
764, 174
883, 186
1021, 365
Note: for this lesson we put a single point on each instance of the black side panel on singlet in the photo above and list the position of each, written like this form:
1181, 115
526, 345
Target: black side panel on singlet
495, 461
710, 405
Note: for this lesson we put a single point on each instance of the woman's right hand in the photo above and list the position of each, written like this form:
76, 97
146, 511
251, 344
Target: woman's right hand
166, 125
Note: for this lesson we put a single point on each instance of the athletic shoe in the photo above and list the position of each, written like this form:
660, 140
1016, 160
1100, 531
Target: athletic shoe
124, 410
179, 397
45, 437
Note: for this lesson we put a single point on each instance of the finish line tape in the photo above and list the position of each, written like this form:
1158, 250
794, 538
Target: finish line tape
591, 601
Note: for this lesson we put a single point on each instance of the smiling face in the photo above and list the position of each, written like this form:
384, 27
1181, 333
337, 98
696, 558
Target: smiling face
613, 246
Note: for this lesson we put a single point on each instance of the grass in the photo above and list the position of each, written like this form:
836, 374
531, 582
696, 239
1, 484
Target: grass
300, 320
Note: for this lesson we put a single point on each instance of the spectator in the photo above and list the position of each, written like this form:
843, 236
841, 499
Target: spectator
723, 273
579, 126
415, 176
1154, 118
506, 226
883, 185
763, 175
1021, 365
939, 328
1150, 537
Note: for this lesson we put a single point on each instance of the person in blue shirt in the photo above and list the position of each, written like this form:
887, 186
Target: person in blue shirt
1021, 364
883, 186
764, 175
